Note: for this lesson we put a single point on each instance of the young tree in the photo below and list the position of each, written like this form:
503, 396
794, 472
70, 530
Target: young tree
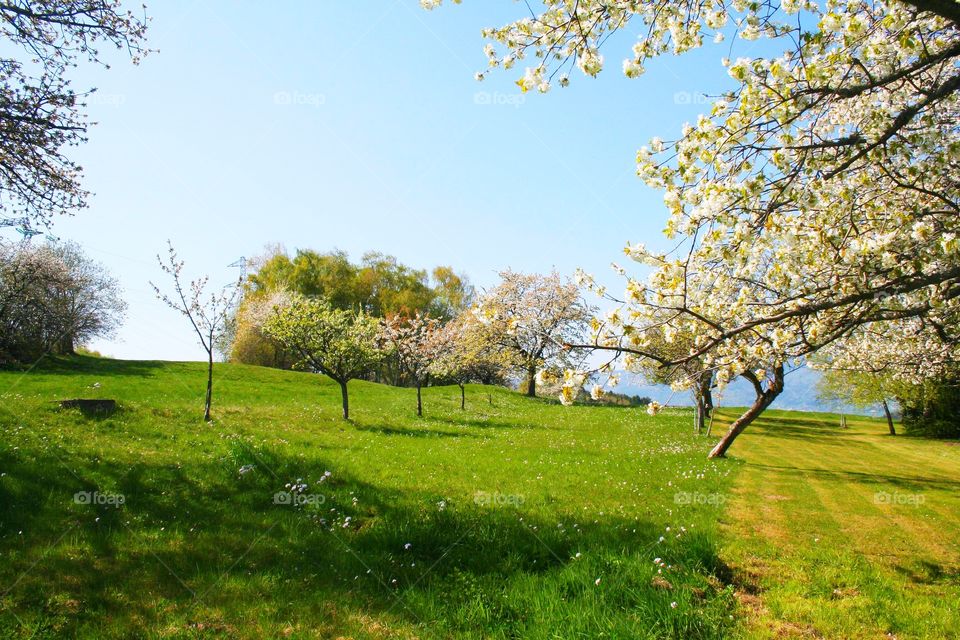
208, 313
415, 342
342, 345
40, 114
463, 355
530, 318
816, 198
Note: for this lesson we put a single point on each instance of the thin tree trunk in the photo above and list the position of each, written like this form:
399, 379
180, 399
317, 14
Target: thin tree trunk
419, 401
209, 399
707, 394
345, 400
886, 410
699, 415
463, 396
532, 381
764, 399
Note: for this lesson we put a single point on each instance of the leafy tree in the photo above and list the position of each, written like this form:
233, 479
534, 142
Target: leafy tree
531, 318
861, 389
379, 285
453, 293
816, 204
40, 114
209, 314
387, 287
343, 345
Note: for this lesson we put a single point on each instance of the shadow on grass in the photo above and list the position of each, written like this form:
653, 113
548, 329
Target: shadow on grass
206, 545
424, 432
905, 482
926, 572
87, 365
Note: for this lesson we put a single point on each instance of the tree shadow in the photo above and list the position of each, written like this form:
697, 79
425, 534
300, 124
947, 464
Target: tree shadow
906, 482
203, 539
89, 365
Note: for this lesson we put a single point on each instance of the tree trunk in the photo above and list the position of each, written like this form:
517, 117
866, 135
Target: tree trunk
707, 393
886, 410
532, 381
764, 398
463, 396
66, 347
345, 400
209, 399
419, 401
700, 414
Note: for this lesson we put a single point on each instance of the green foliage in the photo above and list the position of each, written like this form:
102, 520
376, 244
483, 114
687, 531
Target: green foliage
933, 408
338, 343
379, 285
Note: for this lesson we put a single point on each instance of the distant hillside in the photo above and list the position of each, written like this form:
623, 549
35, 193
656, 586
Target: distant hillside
799, 394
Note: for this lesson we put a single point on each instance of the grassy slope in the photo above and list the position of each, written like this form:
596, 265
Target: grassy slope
845, 533
197, 550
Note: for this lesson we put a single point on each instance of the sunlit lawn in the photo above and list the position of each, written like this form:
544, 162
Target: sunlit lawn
845, 533
515, 518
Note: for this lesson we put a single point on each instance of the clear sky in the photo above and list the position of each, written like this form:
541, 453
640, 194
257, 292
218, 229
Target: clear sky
359, 125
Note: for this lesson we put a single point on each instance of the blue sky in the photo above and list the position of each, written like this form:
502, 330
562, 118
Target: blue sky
360, 126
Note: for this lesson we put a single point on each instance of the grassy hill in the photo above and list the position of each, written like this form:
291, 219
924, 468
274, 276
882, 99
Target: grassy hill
515, 518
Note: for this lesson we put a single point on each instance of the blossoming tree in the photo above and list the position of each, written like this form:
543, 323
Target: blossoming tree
463, 355
816, 203
414, 341
530, 318
207, 311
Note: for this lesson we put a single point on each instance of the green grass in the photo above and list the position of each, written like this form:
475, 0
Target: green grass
512, 510
844, 533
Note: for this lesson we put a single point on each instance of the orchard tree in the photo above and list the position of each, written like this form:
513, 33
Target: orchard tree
87, 303
53, 297
530, 318
861, 389
40, 114
817, 200
207, 312
343, 345
464, 355
415, 342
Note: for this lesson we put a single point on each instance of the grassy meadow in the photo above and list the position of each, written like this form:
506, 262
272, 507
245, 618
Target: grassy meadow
516, 518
